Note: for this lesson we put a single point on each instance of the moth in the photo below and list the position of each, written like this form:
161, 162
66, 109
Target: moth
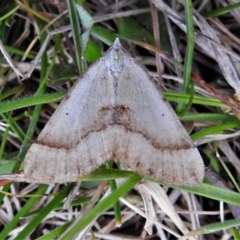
113, 111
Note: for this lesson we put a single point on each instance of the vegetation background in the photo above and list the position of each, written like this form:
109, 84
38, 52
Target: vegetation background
191, 50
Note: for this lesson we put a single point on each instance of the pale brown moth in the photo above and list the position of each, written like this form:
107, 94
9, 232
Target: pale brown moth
113, 112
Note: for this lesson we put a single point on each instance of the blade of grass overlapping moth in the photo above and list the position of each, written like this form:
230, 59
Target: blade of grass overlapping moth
116, 205
102, 206
43, 213
76, 35
187, 70
106, 174
25, 209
